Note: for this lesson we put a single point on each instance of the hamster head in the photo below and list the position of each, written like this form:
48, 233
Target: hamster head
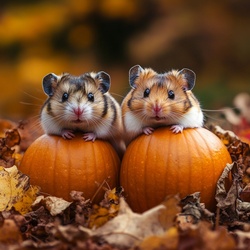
76, 100
160, 98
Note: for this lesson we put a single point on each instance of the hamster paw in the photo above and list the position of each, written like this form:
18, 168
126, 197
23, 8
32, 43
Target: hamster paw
89, 137
67, 134
147, 130
176, 129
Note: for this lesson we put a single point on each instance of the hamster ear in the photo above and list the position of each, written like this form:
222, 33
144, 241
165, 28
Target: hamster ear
134, 73
104, 81
50, 83
190, 77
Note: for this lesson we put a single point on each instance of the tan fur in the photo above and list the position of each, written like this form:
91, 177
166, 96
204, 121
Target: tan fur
138, 112
58, 116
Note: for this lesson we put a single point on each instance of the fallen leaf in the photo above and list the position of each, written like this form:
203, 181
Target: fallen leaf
191, 206
12, 138
202, 236
107, 209
222, 196
128, 228
81, 207
168, 216
23, 205
16, 190
53, 204
242, 239
168, 240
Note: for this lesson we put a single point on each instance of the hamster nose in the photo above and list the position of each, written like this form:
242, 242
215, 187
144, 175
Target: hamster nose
78, 111
157, 108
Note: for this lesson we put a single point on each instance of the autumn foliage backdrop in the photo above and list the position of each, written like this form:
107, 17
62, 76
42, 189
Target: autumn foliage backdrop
77, 36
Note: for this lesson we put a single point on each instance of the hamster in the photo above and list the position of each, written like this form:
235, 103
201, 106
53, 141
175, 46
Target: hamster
82, 104
157, 100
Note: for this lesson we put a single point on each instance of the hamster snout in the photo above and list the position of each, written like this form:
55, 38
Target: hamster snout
78, 113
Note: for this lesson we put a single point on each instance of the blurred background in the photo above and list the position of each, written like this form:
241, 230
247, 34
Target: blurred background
38, 37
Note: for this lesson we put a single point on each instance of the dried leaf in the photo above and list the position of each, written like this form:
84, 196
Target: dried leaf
12, 138
223, 198
245, 193
226, 136
201, 236
125, 230
23, 205
107, 209
168, 240
7, 157
242, 239
194, 210
53, 204
81, 207
168, 216
15, 190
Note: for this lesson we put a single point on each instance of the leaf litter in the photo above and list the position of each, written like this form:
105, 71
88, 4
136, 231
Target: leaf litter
29, 220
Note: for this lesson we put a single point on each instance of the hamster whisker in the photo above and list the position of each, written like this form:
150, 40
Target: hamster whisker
115, 94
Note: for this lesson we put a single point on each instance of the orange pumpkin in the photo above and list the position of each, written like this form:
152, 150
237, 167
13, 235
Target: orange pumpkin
165, 163
59, 166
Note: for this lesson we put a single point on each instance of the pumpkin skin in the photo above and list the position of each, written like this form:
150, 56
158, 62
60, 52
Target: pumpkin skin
59, 166
165, 163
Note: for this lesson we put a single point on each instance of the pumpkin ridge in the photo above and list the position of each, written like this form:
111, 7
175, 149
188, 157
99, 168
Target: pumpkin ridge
195, 140
53, 157
147, 170
190, 160
50, 144
139, 192
210, 154
69, 163
171, 144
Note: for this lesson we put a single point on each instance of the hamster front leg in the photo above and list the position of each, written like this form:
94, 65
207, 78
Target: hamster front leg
148, 130
177, 128
89, 136
67, 134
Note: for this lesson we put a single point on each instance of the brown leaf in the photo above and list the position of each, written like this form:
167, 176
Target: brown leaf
53, 204
223, 198
201, 236
245, 193
168, 240
125, 230
7, 157
193, 210
242, 239
168, 216
107, 209
12, 138
81, 207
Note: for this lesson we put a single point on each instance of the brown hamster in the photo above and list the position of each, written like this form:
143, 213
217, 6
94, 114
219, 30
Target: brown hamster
157, 100
82, 103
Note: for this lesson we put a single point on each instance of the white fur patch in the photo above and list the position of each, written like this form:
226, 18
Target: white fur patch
132, 124
192, 119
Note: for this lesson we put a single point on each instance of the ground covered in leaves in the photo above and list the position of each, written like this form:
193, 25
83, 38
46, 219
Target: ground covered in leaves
29, 220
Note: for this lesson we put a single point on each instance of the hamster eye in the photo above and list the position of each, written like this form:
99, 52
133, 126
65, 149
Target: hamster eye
91, 97
171, 94
146, 92
65, 97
